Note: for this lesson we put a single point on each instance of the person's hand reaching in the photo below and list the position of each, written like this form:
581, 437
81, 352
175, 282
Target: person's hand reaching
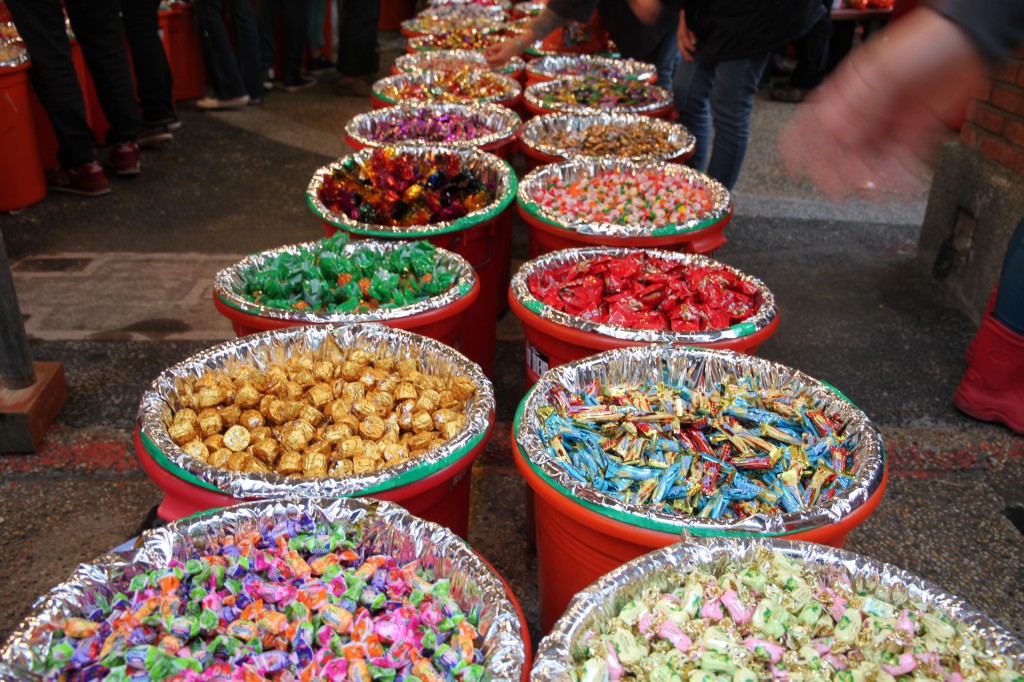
499, 53
687, 39
879, 118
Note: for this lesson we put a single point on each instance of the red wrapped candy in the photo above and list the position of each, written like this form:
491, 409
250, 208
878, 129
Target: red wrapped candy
641, 291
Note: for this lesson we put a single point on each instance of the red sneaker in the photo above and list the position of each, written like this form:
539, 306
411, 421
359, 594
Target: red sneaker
125, 158
87, 180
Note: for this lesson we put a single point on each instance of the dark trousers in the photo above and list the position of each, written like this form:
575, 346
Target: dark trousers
233, 73
812, 50
357, 37
152, 72
295, 25
98, 28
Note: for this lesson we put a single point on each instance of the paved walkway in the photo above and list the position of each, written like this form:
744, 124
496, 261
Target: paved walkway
118, 288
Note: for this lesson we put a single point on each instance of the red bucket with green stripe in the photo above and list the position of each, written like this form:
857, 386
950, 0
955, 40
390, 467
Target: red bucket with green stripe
434, 485
584, 531
555, 335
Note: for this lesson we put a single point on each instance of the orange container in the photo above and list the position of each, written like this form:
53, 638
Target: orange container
576, 546
394, 12
442, 497
550, 344
188, 69
578, 540
551, 232
483, 240
443, 324
22, 180
435, 485
480, 246
442, 321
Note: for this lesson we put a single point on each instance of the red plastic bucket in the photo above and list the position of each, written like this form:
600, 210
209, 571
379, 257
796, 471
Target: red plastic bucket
188, 69
576, 546
550, 344
360, 131
22, 180
483, 244
582, 534
480, 246
545, 237
443, 324
549, 232
442, 497
394, 12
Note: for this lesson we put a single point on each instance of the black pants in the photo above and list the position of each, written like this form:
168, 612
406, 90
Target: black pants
295, 25
812, 52
234, 71
152, 72
357, 37
97, 27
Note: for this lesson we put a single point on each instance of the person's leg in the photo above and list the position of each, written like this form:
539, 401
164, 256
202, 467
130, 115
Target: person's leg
153, 82
266, 22
812, 54
247, 47
357, 37
97, 25
732, 101
222, 65
315, 28
691, 87
296, 23
41, 25
665, 57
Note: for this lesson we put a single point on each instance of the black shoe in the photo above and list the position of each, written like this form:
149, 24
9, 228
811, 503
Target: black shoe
155, 134
319, 65
301, 84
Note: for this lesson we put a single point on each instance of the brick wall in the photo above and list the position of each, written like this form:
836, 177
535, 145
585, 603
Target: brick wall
995, 123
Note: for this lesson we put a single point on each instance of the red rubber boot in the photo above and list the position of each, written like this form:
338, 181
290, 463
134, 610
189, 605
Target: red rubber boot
993, 386
989, 307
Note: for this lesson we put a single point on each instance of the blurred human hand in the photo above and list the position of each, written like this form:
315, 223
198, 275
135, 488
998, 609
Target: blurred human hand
646, 11
687, 39
881, 116
499, 53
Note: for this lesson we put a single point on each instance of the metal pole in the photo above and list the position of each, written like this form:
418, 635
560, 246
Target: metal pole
16, 370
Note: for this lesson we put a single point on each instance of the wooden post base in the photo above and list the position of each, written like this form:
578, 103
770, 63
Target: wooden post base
26, 414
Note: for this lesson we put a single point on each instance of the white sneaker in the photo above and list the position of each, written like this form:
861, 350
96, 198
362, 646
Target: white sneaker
214, 104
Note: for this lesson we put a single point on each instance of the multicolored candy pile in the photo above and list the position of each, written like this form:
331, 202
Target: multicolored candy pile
729, 450
434, 25
295, 601
322, 278
582, 66
625, 198
329, 417
602, 94
773, 617
468, 84
612, 139
431, 126
457, 39
642, 291
398, 188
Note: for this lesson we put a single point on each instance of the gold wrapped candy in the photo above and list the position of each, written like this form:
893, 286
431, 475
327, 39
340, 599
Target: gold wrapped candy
354, 415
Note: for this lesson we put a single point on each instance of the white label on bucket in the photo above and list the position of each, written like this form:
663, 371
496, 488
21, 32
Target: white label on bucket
536, 361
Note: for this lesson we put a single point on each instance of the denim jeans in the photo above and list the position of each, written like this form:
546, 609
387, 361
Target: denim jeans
718, 95
1009, 307
665, 57
232, 75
